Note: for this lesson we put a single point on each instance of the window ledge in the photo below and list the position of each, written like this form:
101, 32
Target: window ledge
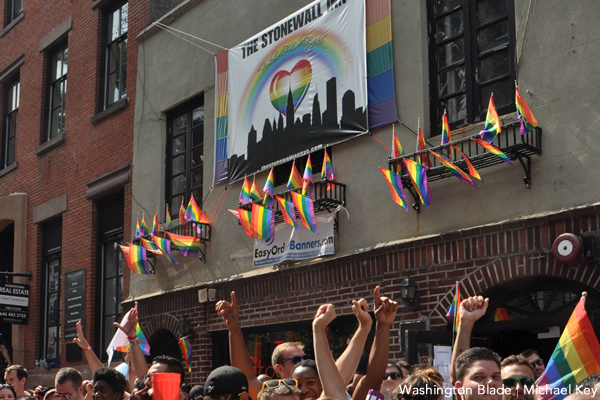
111, 110
12, 24
50, 144
9, 168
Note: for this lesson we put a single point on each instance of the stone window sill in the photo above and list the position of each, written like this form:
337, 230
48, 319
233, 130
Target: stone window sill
12, 24
50, 144
113, 109
8, 169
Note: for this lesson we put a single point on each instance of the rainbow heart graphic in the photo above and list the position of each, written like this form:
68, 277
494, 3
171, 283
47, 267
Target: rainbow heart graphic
297, 80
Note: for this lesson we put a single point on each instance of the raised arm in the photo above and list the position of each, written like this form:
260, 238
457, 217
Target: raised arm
90, 356
5, 354
139, 361
385, 313
470, 310
331, 380
238, 352
349, 359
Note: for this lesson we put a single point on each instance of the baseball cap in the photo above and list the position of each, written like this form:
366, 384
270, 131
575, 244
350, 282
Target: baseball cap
225, 380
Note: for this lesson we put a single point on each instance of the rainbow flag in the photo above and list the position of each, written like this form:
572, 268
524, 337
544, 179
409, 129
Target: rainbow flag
304, 205
245, 193
255, 193
308, 183
262, 222
136, 259
288, 212
500, 314
150, 245
459, 173
155, 225
269, 190
193, 212
188, 246
142, 342
395, 183
452, 314
168, 222
182, 213
492, 123
245, 218
397, 151
446, 135
165, 247
138, 230
295, 180
327, 172
524, 114
186, 351
576, 356
472, 171
418, 176
424, 158
493, 149
144, 227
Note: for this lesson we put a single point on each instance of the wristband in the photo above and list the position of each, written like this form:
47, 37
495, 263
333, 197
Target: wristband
88, 348
131, 372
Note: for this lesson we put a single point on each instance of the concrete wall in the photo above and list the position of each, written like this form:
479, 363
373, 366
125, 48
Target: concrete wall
557, 73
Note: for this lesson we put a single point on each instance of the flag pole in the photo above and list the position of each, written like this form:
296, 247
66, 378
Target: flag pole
455, 315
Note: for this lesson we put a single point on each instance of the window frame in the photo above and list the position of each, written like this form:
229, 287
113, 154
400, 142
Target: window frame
476, 106
11, 12
53, 81
9, 157
187, 109
107, 45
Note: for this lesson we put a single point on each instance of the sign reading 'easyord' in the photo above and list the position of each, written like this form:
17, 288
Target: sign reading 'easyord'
297, 86
291, 245
14, 303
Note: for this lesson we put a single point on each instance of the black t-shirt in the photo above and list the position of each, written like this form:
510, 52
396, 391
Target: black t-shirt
2, 342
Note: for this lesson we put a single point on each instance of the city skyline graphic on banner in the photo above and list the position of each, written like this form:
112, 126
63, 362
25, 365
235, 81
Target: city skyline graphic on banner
297, 86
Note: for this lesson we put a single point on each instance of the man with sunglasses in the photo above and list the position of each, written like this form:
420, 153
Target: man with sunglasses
391, 380
286, 355
536, 361
68, 384
517, 375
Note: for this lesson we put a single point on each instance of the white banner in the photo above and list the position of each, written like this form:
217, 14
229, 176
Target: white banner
291, 245
297, 86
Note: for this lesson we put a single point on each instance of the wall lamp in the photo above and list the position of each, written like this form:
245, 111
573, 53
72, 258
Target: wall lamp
186, 329
408, 290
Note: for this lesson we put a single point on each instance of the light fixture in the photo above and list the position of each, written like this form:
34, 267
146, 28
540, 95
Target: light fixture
186, 328
408, 290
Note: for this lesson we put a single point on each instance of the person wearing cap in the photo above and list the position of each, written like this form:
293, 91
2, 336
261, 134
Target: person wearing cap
226, 383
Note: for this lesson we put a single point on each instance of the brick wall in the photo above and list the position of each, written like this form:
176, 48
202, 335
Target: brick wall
479, 259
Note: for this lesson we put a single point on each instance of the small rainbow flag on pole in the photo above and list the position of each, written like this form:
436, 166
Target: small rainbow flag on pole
295, 180
576, 356
150, 246
524, 114
245, 218
308, 183
452, 315
418, 176
255, 193
193, 212
155, 225
245, 193
304, 205
288, 211
138, 229
446, 135
136, 259
144, 227
421, 145
397, 151
493, 149
459, 173
181, 213
327, 172
141, 339
186, 351
168, 222
188, 246
263, 222
395, 184
165, 247
492, 123
472, 171
269, 190
500, 314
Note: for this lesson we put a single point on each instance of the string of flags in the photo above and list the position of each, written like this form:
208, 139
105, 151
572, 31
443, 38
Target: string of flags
417, 171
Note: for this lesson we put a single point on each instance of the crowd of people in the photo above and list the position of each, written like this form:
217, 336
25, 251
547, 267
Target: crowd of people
475, 373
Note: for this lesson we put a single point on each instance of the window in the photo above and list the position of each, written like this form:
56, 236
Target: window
115, 82
185, 155
57, 92
14, 8
471, 55
50, 322
11, 101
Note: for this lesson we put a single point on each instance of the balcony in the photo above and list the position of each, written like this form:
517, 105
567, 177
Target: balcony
509, 141
185, 229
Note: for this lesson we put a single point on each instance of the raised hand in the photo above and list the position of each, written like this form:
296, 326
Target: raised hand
473, 308
385, 308
129, 326
325, 314
80, 339
229, 311
360, 308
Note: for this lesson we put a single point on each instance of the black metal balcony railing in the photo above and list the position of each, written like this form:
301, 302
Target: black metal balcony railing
323, 199
188, 228
509, 141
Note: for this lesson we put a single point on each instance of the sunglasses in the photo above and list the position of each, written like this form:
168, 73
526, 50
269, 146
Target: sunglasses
524, 381
65, 395
393, 375
539, 362
275, 383
295, 360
